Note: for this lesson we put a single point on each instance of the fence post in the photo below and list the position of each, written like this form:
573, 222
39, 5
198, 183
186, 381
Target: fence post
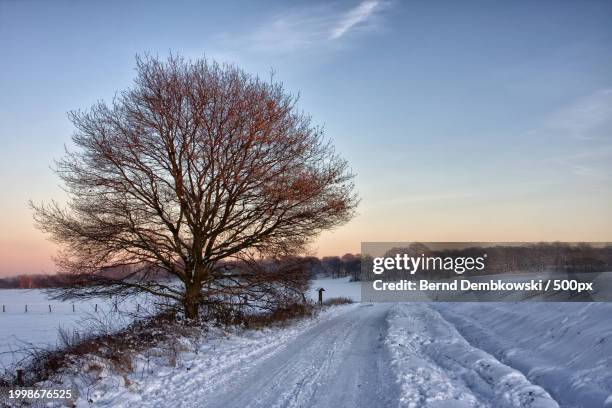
3, 308
321, 290
96, 308
20, 377
26, 308
137, 307
73, 308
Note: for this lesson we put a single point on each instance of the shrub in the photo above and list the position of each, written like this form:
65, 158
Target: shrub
281, 315
337, 301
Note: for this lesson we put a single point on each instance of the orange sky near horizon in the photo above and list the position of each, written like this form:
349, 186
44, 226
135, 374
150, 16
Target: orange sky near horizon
25, 250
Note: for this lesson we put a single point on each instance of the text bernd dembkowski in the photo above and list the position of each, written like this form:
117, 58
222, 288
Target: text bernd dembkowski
493, 285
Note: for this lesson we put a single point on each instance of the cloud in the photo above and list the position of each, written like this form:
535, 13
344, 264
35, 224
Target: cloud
316, 27
589, 118
591, 162
355, 16
583, 131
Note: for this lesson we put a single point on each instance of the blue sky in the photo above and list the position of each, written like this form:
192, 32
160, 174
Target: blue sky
462, 120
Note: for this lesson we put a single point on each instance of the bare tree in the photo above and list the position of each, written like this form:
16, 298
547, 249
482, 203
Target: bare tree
195, 169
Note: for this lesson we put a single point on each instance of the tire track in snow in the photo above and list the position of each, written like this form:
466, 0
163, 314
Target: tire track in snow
220, 365
542, 351
352, 356
339, 363
339, 360
438, 367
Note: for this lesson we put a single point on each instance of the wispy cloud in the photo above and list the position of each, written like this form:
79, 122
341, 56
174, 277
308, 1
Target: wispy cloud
354, 17
591, 162
316, 27
584, 129
589, 118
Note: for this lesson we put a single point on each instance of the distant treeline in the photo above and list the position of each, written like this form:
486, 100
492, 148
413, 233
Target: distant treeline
332, 266
524, 258
335, 266
543, 257
31, 281
536, 257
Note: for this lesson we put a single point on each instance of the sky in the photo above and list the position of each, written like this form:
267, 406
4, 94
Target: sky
463, 121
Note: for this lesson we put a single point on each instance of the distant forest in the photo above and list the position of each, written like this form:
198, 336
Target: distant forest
536, 257
525, 258
330, 266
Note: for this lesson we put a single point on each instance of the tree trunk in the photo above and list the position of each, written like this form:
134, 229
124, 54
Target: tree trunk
191, 302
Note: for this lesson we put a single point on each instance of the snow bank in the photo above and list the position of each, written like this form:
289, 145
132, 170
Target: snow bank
564, 347
437, 367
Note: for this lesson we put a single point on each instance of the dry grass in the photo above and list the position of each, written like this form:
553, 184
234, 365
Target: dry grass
116, 348
280, 316
337, 301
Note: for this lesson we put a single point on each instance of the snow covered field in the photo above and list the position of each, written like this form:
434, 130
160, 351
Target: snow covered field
39, 327
387, 355
341, 287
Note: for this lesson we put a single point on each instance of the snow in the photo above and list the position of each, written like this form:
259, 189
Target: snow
40, 328
340, 287
309, 363
386, 355
437, 367
564, 347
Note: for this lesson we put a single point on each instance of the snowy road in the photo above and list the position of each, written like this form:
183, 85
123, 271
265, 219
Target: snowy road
339, 362
361, 355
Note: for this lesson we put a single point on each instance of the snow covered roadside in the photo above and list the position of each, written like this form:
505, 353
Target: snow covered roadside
437, 367
564, 347
221, 355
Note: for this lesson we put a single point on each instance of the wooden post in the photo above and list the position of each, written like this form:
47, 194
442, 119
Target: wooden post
321, 290
73, 308
20, 380
26, 308
49, 308
137, 307
3, 308
96, 308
